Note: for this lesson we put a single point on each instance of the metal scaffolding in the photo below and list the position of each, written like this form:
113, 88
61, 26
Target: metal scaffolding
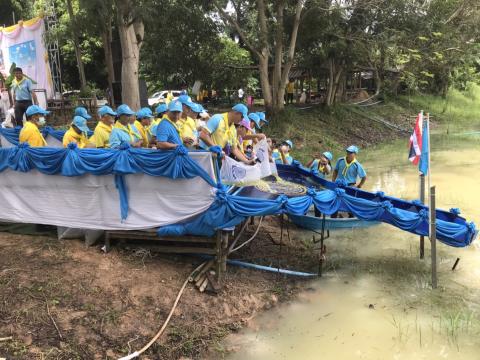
52, 46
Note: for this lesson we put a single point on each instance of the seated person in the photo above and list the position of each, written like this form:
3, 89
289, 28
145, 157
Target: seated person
187, 123
77, 133
168, 133
322, 164
142, 124
282, 155
101, 134
121, 132
30, 132
160, 112
133, 129
349, 169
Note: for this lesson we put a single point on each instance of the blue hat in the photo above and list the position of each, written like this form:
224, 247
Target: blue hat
81, 111
352, 149
255, 118
261, 115
144, 113
184, 99
241, 109
196, 108
124, 109
175, 106
81, 123
161, 108
35, 109
147, 111
289, 143
106, 110
203, 110
328, 155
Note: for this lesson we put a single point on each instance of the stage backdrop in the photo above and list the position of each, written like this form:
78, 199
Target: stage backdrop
23, 44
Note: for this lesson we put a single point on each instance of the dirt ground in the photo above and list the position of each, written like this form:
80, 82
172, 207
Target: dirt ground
62, 300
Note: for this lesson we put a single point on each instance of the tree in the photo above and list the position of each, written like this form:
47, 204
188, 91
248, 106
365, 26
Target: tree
267, 33
76, 42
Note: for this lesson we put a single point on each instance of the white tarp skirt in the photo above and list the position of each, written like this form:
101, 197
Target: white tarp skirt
93, 202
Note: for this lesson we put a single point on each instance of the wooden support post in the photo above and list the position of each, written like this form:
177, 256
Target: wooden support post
218, 256
433, 237
422, 199
224, 251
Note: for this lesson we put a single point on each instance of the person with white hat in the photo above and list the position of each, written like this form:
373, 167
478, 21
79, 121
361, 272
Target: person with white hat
349, 169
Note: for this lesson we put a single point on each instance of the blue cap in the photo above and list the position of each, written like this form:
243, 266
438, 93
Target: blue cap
161, 108
35, 109
124, 109
106, 110
196, 108
289, 143
175, 106
81, 123
241, 109
328, 155
261, 115
144, 113
255, 118
203, 110
184, 99
352, 149
81, 111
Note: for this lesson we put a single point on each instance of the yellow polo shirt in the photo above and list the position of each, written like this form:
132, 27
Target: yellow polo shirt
188, 128
72, 136
144, 132
101, 135
221, 133
32, 135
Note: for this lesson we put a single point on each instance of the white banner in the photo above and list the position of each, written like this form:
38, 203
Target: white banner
92, 202
234, 172
23, 45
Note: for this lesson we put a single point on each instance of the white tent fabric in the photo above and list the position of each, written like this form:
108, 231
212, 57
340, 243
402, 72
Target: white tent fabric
92, 202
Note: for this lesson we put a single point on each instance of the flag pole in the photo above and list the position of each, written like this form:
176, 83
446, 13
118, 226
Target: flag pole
432, 233
422, 199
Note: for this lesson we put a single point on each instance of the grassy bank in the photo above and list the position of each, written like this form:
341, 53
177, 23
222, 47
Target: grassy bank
316, 129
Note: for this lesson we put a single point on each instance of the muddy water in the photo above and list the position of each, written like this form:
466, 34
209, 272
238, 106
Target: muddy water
375, 301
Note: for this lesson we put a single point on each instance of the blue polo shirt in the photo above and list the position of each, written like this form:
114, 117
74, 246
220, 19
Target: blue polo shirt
119, 135
351, 174
23, 90
167, 132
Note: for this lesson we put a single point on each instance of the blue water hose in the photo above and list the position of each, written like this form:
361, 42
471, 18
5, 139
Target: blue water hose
270, 269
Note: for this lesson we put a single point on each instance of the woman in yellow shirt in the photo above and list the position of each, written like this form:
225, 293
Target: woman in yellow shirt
30, 132
77, 133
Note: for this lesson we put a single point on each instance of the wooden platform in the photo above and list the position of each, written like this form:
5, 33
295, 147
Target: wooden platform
215, 246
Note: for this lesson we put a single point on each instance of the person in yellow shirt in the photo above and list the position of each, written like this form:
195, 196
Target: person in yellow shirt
290, 91
187, 125
30, 132
220, 131
77, 133
142, 124
101, 135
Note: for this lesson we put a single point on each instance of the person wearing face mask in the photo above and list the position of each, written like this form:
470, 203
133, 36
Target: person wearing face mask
121, 132
30, 132
77, 133
101, 135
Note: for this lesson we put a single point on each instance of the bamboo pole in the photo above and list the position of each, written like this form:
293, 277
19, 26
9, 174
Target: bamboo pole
433, 237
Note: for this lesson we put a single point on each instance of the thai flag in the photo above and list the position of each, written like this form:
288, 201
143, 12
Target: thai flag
416, 141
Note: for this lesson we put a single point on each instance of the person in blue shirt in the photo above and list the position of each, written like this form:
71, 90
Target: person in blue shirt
349, 169
282, 154
121, 132
168, 133
322, 164
23, 95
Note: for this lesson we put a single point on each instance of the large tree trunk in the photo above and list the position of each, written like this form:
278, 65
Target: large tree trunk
107, 51
131, 32
76, 45
265, 83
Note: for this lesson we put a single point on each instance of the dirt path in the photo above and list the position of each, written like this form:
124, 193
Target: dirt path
102, 306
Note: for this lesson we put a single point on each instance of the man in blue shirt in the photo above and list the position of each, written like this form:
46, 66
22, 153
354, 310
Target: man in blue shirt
168, 133
349, 169
23, 95
121, 132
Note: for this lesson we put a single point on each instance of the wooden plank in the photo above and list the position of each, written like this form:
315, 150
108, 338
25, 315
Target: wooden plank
138, 235
218, 258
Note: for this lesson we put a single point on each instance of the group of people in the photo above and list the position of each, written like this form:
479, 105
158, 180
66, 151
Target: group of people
185, 123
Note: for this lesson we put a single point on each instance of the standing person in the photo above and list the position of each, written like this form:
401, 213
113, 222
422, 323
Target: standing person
101, 135
77, 133
121, 132
220, 131
290, 91
322, 164
349, 169
187, 122
30, 132
23, 95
